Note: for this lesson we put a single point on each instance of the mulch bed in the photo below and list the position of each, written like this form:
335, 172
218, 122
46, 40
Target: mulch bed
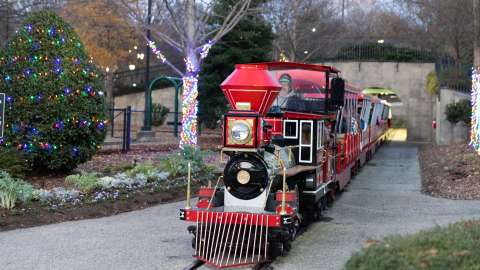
35, 214
451, 171
106, 162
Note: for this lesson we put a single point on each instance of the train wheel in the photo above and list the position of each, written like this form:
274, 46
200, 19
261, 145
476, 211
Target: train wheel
276, 249
279, 248
331, 196
324, 202
294, 230
287, 245
319, 209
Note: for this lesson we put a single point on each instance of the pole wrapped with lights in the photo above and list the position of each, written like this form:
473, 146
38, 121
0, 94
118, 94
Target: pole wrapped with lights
188, 134
475, 121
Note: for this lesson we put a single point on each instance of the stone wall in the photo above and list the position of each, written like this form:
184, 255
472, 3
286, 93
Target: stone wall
446, 132
164, 96
408, 80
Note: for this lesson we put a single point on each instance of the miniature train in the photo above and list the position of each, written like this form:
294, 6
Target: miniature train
295, 136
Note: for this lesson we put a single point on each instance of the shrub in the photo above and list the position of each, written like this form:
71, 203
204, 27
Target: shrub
112, 169
177, 163
86, 182
12, 189
147, 169
453, 247
55, 108
13, 162
159, 114
172, 164
432, 83
459, 111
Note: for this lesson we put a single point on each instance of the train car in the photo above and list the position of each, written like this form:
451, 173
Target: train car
295, 135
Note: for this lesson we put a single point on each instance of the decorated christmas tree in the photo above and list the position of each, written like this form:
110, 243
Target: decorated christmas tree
55, 109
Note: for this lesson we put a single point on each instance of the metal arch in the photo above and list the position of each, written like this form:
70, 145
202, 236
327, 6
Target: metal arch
177, 83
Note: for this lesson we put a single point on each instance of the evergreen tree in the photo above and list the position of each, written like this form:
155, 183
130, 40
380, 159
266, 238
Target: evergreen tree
55, 110
250, 41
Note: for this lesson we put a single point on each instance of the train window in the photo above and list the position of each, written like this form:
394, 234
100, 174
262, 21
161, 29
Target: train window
320, 126
290, 129
306, 133
370, 114
306, 140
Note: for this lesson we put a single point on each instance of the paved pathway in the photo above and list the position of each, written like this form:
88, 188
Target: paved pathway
383, 199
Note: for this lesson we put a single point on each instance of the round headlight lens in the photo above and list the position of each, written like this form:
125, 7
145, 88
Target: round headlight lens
243, 177
240, 131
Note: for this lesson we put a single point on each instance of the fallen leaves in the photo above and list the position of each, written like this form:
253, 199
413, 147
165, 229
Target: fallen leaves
451, 171
370, 242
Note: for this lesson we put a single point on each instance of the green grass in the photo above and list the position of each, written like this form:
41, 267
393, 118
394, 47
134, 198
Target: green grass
454, 247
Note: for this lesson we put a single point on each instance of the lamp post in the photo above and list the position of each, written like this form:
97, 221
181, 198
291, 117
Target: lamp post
147, 121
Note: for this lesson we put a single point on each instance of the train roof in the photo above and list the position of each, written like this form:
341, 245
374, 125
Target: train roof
293, 65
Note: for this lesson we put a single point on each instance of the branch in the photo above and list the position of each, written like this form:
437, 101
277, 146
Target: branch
174, 22
231, 20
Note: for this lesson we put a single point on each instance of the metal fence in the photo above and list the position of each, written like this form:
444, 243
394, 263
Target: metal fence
450, 74
126, 115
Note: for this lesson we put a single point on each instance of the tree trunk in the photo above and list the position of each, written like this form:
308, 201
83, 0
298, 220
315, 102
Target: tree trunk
476, 36
188, 135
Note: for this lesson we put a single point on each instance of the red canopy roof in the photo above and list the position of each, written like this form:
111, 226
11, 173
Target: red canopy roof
253, 84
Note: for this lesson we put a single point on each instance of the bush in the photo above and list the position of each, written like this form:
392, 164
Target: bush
12, 189
147, 169
432, 83
55, 107
459, 111
159, 114
86, 182
454, 247
13, 162
177, 163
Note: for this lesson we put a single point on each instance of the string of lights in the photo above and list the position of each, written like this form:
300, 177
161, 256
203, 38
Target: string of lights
188, 134
156, 51
475, 121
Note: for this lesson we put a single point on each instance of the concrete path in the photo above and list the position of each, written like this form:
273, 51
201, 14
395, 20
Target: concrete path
153, 238
383, 199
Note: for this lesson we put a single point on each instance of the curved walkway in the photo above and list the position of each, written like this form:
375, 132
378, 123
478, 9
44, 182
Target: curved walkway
383, 199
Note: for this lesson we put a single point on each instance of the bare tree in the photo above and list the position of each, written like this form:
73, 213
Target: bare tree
184, 25
12, 12
302, 27
447, 25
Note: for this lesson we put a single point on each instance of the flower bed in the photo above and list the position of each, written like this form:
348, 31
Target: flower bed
92, 194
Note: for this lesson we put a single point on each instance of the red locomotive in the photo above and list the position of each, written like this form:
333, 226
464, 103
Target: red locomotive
296, 134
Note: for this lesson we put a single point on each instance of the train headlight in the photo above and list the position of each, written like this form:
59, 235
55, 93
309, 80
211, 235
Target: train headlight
240, 132
243, 177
